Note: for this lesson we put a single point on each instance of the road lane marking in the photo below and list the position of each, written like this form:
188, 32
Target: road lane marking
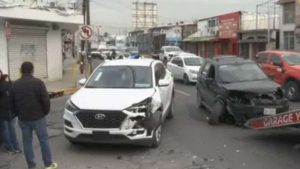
183, 93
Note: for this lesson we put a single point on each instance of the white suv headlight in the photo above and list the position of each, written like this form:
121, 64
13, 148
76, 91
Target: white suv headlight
142, 107
71, 107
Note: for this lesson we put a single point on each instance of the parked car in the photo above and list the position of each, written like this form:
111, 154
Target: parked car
284, 68
124, 101
167, 52
185, 67
235, 87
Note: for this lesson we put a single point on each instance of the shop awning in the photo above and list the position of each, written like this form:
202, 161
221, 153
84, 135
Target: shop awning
196, 37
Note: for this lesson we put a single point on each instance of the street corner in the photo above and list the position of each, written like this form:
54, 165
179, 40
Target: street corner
56, 93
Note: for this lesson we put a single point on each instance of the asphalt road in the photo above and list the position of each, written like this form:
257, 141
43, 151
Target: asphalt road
188, 143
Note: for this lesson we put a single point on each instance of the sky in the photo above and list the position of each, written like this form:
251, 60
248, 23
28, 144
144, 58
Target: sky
115, 15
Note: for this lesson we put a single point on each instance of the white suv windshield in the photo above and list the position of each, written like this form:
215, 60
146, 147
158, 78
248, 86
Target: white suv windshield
121, 77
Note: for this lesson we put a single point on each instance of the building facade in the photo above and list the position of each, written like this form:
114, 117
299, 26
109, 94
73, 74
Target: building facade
38, 36
255, 31
215, 36
288, 39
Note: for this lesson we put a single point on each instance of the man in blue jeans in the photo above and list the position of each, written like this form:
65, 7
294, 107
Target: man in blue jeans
32, 105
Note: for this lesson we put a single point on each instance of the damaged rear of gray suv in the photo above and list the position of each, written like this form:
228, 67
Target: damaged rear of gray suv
235, 88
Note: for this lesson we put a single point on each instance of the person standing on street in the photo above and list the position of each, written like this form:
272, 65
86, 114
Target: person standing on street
32, 105
113, 54
7, 117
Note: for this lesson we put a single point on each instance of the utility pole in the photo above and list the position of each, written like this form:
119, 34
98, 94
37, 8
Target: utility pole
269, 26
87, 45
257, 6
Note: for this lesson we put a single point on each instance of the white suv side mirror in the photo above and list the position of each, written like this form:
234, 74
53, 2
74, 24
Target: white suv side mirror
163, 83
82, 82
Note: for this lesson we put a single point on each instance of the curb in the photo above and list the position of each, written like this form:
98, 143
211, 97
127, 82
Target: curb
61, 92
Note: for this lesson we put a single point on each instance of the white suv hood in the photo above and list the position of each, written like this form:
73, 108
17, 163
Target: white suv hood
109, 99
173, 53
195, 68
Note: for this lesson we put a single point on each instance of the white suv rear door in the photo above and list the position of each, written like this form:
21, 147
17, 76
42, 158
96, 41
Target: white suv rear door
165, 91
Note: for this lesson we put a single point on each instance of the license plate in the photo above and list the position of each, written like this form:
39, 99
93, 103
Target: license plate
101, 135
269, 112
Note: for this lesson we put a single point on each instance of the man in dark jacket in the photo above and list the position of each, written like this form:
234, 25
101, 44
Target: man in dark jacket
32, 105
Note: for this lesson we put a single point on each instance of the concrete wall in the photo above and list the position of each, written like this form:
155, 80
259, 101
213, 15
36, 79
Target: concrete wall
248, 21
3, 49
40, 15
54, 55
284, 28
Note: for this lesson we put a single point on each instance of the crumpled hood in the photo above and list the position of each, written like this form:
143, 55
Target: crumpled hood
265, 86
109, 99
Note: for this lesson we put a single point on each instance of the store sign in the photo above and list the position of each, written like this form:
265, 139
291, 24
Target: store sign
280, 120
174, 34
208, 28
229, 25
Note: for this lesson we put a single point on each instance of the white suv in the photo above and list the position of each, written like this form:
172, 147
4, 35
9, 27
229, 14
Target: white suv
185, 67
124, 101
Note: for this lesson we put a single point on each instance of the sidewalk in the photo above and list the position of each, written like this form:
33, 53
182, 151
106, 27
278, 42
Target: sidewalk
66, 86
69, 84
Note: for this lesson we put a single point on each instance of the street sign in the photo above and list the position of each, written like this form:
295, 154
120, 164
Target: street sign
280, 120
86, 32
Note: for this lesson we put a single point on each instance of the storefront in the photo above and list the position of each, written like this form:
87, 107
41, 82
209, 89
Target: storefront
24, 37
229, 25
253, 41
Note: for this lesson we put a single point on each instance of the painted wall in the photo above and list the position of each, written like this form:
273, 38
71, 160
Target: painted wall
248, 21
229, 25
3, 49
54, 55
205, 30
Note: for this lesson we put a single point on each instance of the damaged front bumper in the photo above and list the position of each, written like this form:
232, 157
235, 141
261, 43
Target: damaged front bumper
136, 128
244, 112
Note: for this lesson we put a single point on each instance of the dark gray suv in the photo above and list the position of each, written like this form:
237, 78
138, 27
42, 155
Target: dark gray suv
236, 88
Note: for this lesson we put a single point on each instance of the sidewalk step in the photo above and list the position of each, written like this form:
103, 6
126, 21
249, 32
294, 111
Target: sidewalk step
61, 92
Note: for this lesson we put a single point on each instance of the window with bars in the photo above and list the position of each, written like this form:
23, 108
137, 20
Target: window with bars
289, 40
289, 13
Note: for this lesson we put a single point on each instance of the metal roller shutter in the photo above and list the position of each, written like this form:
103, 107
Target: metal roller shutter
28, 45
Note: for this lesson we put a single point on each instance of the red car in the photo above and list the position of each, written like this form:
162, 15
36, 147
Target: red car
284, 68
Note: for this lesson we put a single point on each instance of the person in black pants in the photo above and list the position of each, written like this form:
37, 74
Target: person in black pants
7, 116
